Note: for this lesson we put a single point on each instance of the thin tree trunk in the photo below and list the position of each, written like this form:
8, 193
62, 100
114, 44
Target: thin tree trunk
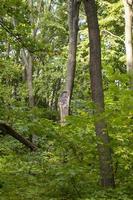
50, 5
73, 33
9, 130
29, 70
8, 49
27, 57
128, 6
28, 62
104, 150
65, 98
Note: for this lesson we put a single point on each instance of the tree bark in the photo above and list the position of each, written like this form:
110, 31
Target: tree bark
28, 62
9, 130
103, 145
65, 98
128, 6
29, 71
27, 56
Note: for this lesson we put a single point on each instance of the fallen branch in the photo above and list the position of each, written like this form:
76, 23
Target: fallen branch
9, 130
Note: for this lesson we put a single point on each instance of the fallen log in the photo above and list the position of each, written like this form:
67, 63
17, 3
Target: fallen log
7, 129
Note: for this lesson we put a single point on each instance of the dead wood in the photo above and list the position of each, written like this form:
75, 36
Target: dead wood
7, 129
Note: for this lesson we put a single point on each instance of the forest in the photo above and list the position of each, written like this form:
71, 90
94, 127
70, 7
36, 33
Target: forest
66, 99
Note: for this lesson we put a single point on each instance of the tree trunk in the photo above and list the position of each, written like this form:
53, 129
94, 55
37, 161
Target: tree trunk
28, 62
26, 56
104, 150
128, 6
9, 130
65, 98
29, 70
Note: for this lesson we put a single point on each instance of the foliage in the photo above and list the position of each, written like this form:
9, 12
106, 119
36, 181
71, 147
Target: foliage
65, 166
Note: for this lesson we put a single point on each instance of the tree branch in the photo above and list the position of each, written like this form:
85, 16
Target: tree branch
9, 130
113, 35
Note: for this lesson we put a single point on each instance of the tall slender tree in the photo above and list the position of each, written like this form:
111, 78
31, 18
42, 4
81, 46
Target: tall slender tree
27, 56
128, 7
104, 150
65, 99
28, 63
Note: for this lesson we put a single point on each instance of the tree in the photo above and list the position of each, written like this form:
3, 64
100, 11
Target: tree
65, 99
28, 63
128, 5
104, 150
27, 57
